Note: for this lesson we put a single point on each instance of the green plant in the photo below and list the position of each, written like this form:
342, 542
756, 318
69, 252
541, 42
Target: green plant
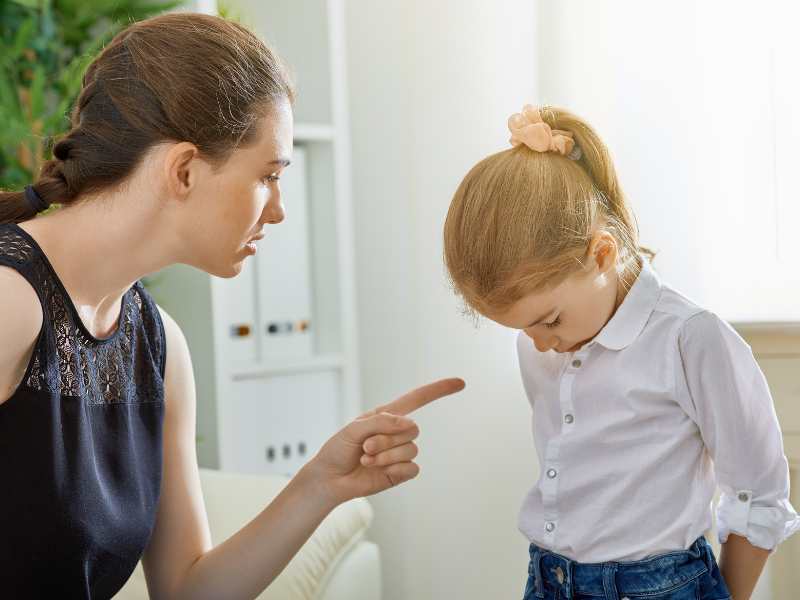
45, 46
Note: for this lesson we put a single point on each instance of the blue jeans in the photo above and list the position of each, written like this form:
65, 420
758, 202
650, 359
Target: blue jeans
690, 574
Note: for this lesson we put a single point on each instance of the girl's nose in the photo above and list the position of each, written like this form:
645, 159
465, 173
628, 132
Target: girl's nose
543, 345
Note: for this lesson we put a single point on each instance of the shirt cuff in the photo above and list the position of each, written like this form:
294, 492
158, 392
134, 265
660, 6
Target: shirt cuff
763, 526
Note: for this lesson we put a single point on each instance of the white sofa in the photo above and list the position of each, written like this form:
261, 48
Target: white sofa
337, 563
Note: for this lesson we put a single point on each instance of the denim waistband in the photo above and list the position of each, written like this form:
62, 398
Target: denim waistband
655, 574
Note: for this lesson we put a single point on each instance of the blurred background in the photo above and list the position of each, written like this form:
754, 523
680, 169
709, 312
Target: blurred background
347, 306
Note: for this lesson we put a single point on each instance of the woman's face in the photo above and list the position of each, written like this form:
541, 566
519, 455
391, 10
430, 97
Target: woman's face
227, 211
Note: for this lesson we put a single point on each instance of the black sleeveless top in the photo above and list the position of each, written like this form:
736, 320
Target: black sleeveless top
80, 443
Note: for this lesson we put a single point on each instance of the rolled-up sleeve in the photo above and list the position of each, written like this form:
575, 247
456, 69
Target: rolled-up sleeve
733, 408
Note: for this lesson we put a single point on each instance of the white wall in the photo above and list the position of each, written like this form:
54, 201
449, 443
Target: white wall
696, 101
431, 87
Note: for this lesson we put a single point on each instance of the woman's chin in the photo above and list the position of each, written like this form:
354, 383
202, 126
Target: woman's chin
225, 271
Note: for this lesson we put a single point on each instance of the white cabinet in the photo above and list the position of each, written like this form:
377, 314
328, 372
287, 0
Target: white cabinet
284, 277
697, 102
274, 349
261, 420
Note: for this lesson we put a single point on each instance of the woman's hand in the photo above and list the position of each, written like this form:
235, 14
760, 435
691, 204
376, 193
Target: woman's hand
376, 451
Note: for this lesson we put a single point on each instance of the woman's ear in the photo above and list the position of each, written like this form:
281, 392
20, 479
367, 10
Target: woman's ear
603, 250
181, 167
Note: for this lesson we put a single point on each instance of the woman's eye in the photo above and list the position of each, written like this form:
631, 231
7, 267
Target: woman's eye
554, 323
271, 178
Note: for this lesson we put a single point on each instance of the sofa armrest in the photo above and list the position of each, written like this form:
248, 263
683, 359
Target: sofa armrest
356, 576
233, 499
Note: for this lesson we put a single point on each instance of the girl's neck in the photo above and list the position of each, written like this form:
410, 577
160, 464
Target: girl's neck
626, 280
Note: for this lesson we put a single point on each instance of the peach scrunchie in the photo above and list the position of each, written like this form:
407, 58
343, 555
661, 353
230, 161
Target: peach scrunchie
528, 128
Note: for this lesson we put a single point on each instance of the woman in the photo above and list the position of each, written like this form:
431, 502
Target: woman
179, 137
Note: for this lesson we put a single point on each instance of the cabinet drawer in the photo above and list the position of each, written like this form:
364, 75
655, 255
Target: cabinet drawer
275, 424
783, 376
791, 447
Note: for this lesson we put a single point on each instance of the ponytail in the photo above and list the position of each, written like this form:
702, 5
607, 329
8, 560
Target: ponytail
178, 76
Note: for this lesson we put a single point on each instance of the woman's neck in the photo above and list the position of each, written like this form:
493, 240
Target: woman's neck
99, 250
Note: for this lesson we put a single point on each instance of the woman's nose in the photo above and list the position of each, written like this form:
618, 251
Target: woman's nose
274, 212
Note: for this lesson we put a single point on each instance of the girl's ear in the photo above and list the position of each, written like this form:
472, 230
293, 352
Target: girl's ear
603, 250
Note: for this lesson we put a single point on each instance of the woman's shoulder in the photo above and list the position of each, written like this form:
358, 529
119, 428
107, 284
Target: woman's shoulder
20, 322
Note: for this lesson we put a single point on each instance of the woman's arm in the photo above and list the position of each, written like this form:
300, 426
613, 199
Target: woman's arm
741, 564
20, 323
180, 561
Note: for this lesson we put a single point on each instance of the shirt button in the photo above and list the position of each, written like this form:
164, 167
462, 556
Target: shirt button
744, 497
568, 418
549, 526
551, 473
576, 363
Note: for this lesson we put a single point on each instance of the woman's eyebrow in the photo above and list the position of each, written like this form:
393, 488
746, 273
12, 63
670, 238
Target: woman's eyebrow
284, 162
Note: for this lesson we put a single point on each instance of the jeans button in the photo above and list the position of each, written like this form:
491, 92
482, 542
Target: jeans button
560, 575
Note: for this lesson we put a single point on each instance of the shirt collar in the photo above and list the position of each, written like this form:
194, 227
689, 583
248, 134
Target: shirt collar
634, 312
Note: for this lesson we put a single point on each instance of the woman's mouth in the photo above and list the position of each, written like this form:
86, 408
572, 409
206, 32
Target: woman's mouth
251, 245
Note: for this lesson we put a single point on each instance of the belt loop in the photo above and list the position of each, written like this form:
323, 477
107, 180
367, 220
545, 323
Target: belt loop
610, 581
537, 573
570, 588
708, 552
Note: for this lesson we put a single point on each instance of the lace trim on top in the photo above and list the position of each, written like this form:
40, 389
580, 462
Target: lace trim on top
126, 367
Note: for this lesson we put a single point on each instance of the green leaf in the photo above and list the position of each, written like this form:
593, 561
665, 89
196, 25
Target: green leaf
65, 36
8, 97
35, 4
37, 92
22, 39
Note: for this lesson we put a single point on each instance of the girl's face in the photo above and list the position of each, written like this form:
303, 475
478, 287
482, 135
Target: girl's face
226, 211
568, 316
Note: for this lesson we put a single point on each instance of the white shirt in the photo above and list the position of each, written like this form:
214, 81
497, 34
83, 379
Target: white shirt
636, 428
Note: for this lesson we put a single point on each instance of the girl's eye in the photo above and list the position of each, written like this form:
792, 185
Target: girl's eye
271, 178
554, 323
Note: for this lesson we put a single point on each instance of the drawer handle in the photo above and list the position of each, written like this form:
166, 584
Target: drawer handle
240, 330
278, 327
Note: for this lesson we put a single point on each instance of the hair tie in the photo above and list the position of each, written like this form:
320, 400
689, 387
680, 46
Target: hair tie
528, 128
35, 201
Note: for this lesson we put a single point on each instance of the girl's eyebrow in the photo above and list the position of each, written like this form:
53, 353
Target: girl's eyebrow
284, 162
542, 318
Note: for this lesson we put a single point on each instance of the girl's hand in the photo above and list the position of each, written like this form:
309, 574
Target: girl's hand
375, 451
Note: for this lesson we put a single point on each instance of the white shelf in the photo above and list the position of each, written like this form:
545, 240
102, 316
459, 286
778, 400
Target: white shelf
257, 392
308, 365
313, 132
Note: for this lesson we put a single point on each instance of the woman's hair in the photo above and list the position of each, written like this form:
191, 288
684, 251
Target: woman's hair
521, 221
174, 77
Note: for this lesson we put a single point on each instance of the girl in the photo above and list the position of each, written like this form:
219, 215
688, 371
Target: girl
635, 390
178, 140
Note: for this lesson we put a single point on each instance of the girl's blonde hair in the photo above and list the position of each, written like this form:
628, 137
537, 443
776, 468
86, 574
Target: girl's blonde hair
521, 221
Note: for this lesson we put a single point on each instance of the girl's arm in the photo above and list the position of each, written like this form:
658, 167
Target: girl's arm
741, 564
180, 561
725, 392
